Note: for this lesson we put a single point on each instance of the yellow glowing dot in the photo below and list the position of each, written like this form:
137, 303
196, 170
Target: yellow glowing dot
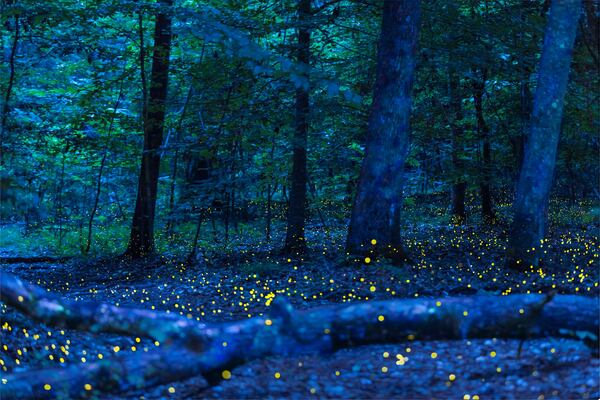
268, 322
367, 260
451, 377
20, 298
47, 387
157, 343
465, 313
475, 397
313, 390
384, 369
87, 386
100, 356
498, 370
372, 288
373, 242
438, 303
386, 354
466, 397
277, 375
137, 339
224, 344
492, 354
553, 350
171, 390
521, 311
337, 373
434, 355
380, 318
226, 374
116, 349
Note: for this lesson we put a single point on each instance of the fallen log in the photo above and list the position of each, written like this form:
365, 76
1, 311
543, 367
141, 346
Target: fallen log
34, 260
285, 331
97, 317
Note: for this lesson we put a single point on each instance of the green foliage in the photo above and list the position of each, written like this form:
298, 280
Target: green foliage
236, 61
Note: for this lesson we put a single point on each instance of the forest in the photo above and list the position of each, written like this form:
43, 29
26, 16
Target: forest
337, 199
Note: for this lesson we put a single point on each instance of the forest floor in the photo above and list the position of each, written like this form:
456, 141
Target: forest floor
238, 284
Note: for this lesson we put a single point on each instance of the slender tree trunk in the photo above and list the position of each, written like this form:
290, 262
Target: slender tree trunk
487, 210
270, 191
169, 227
296, 219
375, 222
8, 93
194, 249
530, 208
525, 99
142, 60
141, 241
100, 171
269, 215
59, 215
459, 186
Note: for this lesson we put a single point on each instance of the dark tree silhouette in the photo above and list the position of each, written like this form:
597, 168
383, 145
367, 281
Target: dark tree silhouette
375, 222
294, 240
483, 130
530, 208
141, 241
458, 211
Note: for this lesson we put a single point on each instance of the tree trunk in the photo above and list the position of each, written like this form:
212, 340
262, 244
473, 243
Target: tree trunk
530, 208
487, 210
190, 348
295, 241
9, 86
459, 186
141, 241
175, 161
100, 171
375, 222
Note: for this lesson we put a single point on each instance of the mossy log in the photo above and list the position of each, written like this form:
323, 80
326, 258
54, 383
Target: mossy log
218, 347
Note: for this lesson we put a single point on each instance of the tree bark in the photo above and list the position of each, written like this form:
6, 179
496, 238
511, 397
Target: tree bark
9, 86
530, 209
375, 222
141, 241
295, 241
175, 161
191, 348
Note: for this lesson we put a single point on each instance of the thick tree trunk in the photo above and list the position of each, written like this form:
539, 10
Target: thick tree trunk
295, 241
530, 208
190, 348
141, 241
375, 223
487, 209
